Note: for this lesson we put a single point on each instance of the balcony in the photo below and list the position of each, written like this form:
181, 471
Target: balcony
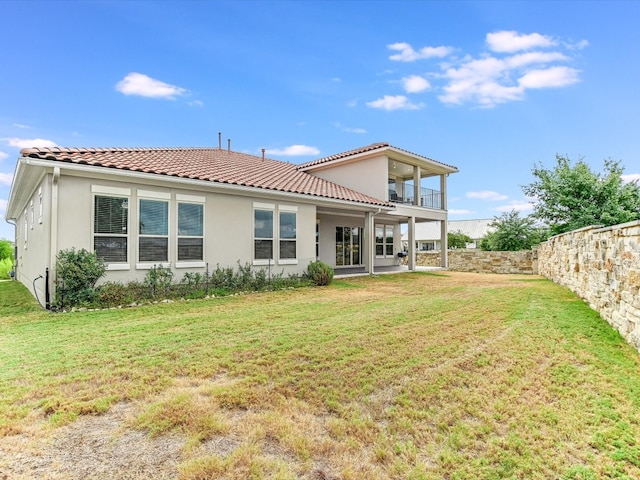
404, 193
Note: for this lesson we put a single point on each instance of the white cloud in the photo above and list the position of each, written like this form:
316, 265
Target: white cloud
631, 177
518, 206
349, 129
30, 143
408, 54
293, 150
196, 103
577, 45
415, 84
559, 76
512, 41
393, 102
489, 81
140, 84
20, 125
511, 63
459, 212
487, 195
3, 156
6, 178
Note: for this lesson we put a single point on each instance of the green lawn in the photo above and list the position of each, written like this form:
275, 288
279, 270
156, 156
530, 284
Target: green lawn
408, 376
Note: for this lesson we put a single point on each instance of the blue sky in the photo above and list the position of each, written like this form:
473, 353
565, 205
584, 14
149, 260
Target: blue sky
490, 87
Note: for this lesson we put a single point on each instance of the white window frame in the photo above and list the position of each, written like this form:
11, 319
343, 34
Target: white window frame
158, 197
40, 206
116, 192
286, 209
193, 200
270, 207
385, 244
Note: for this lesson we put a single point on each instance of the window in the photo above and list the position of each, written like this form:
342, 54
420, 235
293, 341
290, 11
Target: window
153, 241
190, 232
384, 241
40, 209
26, 228
287, 235
33, 215
110, 228
262, 234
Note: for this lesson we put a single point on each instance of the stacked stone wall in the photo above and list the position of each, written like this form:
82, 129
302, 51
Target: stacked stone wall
475, 260
602, 266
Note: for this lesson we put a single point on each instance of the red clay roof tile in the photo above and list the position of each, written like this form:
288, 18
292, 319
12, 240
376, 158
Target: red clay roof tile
209, 164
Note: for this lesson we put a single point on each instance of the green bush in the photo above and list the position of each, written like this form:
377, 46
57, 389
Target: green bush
159, 280
6, 266
319, 273
76, 275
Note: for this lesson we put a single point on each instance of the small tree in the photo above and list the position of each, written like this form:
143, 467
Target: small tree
77, 274
458, 240
569, 196
6, 258
513, 233
6, 250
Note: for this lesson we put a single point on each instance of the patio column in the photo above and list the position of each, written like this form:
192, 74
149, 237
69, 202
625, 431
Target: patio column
369, 242
444, 253
444, 258
416, 186
412, 242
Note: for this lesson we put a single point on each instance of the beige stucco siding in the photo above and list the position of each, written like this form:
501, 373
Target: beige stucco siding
368, 176
228, 226
327, 233
33, 241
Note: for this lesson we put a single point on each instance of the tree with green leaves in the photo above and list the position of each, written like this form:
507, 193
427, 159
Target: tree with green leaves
570, 196
513, 232
6, 250
458, 240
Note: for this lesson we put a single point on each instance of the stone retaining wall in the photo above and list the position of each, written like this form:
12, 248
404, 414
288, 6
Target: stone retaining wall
602, 266
475, 260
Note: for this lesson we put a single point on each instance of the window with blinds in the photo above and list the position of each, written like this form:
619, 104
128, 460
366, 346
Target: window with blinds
153, 239
110, 228
263, 234
190, 232
287, 235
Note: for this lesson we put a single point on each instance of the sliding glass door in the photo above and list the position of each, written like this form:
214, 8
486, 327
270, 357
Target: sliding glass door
348, 246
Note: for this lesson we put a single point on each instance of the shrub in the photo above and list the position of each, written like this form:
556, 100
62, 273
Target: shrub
6, 266
76, 275
159, 280
319, 273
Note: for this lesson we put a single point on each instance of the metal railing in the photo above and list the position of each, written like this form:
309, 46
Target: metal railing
403, 193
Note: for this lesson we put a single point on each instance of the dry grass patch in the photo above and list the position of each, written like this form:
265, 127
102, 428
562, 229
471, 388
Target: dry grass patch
410, 376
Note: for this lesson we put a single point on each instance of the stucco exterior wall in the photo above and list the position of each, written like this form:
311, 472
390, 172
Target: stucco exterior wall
33, 241
368, 176
602, 266
228, 229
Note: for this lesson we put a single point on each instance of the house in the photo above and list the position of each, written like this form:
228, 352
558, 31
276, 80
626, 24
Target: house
428, 236
193, 208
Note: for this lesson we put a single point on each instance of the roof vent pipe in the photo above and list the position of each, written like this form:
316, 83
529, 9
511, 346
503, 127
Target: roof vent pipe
219, 140
263, 154
229, 145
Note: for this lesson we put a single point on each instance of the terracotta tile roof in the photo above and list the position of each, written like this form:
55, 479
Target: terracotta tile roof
368, 148
208, 164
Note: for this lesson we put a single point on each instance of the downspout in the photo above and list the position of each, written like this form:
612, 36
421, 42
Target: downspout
371, 235
53, 250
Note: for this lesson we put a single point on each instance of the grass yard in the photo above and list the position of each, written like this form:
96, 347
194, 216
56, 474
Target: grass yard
407, 376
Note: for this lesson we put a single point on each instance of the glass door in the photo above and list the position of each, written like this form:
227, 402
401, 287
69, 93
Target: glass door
348, 246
